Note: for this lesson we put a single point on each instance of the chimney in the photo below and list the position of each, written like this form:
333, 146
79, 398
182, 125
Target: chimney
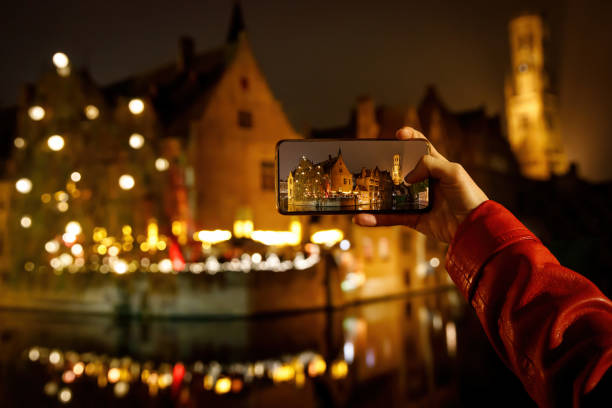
367, 128
186, 53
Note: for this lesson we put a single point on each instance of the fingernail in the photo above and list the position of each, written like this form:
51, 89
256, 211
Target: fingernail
367, 220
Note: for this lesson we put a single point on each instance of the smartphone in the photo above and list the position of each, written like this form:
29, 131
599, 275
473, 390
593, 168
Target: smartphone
343, 176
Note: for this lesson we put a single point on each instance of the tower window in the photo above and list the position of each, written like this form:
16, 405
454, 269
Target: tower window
267, 176
245, 119
244, 83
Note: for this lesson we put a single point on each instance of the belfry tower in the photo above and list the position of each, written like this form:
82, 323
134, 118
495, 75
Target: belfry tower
531, 109
396, 174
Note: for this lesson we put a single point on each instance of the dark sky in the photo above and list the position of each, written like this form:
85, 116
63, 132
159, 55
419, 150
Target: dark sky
355, 154
319, 55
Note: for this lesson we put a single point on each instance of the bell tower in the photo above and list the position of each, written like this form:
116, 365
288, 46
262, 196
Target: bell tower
531, 108
396, 174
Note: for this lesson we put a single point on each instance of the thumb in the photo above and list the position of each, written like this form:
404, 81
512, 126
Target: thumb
432, 167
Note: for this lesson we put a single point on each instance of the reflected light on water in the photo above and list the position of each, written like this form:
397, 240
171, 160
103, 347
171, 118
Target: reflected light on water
303, 359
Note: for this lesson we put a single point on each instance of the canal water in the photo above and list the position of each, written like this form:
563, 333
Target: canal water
419, 351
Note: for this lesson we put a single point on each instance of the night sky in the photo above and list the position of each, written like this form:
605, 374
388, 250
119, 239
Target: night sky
355, 154
319, 55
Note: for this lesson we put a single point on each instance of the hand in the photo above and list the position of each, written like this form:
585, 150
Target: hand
456, 195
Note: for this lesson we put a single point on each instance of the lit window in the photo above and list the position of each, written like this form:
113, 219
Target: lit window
245, 119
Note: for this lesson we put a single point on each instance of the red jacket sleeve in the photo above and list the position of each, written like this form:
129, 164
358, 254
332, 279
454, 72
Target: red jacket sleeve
551, 326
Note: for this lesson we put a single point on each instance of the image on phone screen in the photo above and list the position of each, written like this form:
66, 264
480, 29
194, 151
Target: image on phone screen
343, 176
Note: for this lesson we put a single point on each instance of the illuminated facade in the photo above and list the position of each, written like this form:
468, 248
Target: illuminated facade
531, 107
396, 172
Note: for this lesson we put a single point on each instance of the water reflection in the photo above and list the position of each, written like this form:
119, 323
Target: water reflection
426, 350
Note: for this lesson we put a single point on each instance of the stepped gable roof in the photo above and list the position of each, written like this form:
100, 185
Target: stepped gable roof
175, 93
326, 165
180, 91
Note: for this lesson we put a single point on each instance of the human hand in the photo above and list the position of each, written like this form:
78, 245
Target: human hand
456, 195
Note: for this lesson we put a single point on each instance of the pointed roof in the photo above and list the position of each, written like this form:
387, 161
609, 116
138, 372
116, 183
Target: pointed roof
236, 23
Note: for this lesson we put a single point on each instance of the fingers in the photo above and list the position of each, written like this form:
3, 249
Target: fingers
407, 133
433, 167
371, 220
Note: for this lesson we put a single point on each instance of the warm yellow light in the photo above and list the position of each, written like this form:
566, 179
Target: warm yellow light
52, 246
36, 113
243, 228
296, 227
223, 385
126, 230
55, 143
316, 367
213, 237
152, 236
119, 267
45, 198
62, 207
77, 250
276, 238
101, 249
327, 237
23, 185
74, 228
161, 164
65, 395
113, 251
283, 373
126, 182
69, 238
99, 233
75, 176
165, 265
19, 142
136, 106
26, 221
339, 369
136, 141
78, 368
92, 112
61, 196
60, 60
114, 374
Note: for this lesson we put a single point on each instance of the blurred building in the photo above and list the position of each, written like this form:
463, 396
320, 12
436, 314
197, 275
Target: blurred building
155, 172
531, 106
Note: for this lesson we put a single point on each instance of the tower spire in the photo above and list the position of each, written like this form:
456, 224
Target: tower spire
237, 25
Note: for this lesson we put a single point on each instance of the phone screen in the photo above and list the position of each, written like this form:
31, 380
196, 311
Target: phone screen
349, 176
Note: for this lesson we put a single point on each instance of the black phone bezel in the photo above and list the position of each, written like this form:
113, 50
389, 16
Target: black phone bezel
277, 181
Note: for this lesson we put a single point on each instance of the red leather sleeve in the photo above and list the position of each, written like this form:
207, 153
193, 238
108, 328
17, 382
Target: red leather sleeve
551, 326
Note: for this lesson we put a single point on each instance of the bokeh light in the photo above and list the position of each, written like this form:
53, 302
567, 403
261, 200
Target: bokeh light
126, 182
26, 221
75, 176
19, 142
136, 106
136, 141
60, 60
92, 112
36, 112
23, 185
161, 164
55, 143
